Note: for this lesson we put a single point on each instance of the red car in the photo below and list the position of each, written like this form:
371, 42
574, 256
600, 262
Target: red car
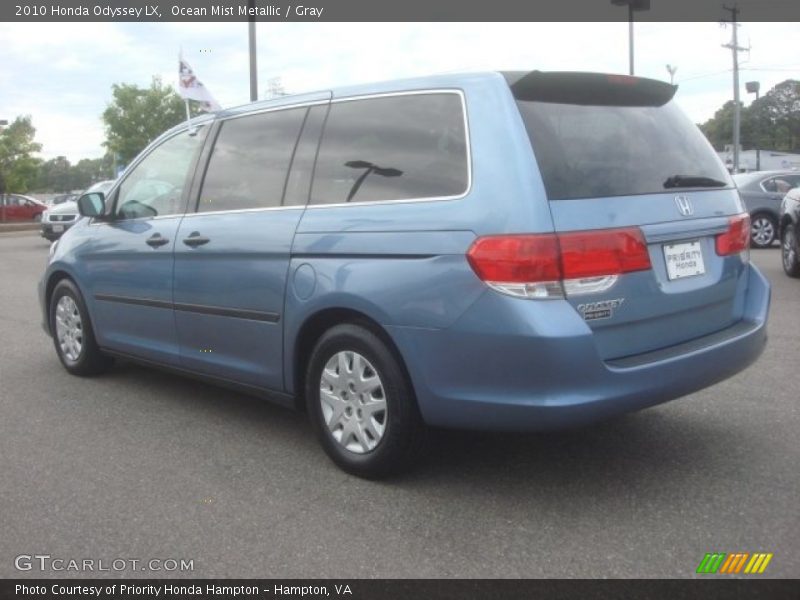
14, 207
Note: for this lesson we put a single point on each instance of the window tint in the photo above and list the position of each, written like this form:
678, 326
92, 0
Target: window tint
392, 148
586, 151
250, 160
155, 186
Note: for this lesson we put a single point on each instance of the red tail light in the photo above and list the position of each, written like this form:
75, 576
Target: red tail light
527, 260
737, 238
604, 252
515, 258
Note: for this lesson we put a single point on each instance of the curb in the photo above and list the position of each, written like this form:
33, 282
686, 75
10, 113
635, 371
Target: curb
6, 227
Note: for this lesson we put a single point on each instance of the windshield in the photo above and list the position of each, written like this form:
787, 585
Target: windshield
587, 151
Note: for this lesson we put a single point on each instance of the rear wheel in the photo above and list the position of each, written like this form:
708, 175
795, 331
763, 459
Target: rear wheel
361, 404
763, 231
790, 252
72, 332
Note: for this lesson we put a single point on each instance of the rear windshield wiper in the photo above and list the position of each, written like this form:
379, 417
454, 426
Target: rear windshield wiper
692, 181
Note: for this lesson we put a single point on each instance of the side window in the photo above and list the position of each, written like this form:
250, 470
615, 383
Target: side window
155, 186
250, 161
392, 148
770, 185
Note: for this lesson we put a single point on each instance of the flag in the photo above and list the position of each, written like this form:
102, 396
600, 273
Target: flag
191, 88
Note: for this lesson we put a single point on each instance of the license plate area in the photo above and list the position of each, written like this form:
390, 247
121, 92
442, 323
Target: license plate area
58, 228
684, 259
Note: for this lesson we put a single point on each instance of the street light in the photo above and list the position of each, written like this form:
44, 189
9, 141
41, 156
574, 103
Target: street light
753, 87
633, 5
671, 69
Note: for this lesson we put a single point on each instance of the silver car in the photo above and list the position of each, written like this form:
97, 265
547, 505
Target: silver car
60, 217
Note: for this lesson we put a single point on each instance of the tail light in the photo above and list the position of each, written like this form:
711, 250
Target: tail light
552, 264
737, 238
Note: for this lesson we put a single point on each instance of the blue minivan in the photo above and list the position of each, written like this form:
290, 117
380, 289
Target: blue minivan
495, 251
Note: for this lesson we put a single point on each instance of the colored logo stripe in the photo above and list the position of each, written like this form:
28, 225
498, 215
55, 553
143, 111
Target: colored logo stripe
711, 562
733, 563
758, 563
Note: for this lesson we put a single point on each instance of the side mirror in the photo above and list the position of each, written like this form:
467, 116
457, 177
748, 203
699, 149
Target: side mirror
92, 205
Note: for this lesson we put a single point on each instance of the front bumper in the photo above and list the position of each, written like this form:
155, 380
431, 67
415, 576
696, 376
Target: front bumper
47, 231
522, 365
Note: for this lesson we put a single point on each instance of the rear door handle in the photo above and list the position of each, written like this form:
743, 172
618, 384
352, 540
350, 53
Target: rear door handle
156, 240
195, 239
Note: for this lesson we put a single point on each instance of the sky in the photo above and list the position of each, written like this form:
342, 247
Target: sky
61, 73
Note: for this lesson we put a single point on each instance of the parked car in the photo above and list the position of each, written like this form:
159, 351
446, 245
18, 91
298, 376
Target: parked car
57, 219
61, 198
16, 207
762, 192
396, 256
790, 232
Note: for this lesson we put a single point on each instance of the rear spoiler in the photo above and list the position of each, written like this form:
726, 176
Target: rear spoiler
595, 89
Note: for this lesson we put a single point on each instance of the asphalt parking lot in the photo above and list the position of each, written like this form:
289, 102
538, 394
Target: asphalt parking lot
143, 464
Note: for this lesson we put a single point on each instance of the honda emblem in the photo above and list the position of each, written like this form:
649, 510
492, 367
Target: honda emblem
684, 205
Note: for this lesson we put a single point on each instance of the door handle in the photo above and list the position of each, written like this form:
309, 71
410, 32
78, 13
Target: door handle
156, 240
195, 239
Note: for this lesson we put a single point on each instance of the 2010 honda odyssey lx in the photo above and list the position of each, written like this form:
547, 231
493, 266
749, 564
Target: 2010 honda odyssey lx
501, 251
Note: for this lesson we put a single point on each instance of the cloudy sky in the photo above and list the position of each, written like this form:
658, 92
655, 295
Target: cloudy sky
61, 74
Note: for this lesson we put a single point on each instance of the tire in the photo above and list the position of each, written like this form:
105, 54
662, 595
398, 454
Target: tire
763, 230
73, 336
356, 434
790, 251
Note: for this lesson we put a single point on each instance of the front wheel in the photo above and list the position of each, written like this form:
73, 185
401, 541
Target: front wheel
763, 231
789, 252
361, 403
72, 332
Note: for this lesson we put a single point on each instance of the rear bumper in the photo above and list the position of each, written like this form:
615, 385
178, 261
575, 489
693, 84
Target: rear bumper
511, 364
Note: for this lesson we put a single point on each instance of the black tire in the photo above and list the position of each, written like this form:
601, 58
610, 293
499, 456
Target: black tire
90, 360
790, 251
763, 230
404, 433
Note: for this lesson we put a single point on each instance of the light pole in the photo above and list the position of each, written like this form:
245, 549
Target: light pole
633, 5
251, 35
753, 87
671, 70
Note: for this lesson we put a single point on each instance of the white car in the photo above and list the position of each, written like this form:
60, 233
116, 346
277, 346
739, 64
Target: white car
60, 217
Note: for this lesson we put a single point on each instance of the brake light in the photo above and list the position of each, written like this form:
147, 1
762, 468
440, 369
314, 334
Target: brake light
737, 238
603, 252
548, 265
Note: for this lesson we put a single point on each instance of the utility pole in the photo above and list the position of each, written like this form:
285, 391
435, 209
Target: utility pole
735, 49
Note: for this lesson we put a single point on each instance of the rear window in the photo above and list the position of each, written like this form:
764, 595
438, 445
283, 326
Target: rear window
589, 151
409, 146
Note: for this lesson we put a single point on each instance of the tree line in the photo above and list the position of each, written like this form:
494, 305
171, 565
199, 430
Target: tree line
134, 117
772, 122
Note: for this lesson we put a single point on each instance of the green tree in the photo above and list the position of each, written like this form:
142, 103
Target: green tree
771, 122
18, 166
136, 116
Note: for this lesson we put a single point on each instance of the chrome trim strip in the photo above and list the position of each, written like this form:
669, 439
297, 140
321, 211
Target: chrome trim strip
273, 109
245, 210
